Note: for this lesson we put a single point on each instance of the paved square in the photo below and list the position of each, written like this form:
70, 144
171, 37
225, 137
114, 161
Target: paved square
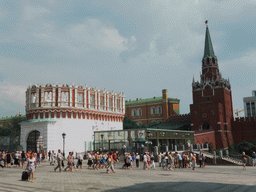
211, 178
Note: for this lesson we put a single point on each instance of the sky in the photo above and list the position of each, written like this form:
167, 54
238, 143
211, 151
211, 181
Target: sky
138, 47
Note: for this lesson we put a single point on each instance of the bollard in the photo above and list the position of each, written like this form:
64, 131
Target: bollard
202, 146
227, 153
221, 154
175, 147
183, 146
207, 146
166, 148
191, 148
214, 158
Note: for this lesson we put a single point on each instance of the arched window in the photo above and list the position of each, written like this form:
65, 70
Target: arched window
205, 126
134, 112
153, 110
159, 110
139, 112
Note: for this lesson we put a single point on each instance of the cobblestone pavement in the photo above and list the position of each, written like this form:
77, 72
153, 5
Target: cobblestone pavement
211, 178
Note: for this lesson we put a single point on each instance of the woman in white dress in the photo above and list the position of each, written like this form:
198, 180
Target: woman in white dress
31, 166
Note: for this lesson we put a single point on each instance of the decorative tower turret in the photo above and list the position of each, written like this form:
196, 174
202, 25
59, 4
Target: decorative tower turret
212, 111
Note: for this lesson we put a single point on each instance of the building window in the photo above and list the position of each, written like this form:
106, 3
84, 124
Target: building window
253, 108
134, 112
139, 112
213, 112
153, 110
159, 110
248, 109
205, 126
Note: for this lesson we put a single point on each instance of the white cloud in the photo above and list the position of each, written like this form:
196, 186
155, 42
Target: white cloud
34, 12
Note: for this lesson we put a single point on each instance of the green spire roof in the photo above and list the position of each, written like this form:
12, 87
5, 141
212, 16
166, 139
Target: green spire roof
208, 48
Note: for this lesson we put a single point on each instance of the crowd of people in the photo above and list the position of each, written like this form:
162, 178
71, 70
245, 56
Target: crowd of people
106, 160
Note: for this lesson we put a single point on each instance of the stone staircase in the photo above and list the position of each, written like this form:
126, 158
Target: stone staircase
218, 159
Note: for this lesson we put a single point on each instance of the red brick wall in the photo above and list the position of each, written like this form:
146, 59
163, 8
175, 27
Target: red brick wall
243, 129
205, 136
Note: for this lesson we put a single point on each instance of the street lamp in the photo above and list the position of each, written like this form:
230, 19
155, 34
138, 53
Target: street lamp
149, 134
102, 135
63, 136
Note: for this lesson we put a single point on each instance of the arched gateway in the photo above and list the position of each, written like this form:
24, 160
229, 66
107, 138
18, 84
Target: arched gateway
35, 141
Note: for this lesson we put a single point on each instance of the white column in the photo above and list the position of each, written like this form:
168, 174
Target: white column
37, 97
53, 96
85, 97
89, 98
75, 97
29, 98
107, 103
59, 97
70, 97
104, 101
98, 100
42, 97
95, 99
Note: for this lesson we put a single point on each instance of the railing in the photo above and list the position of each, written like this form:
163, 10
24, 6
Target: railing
79, 104
64, 104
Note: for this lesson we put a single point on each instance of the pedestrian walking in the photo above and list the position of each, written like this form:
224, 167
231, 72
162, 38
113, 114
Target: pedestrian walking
31, 166
244, 160
110, 163
137, 160
59, 161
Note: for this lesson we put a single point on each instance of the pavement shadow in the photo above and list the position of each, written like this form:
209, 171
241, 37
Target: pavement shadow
183, 186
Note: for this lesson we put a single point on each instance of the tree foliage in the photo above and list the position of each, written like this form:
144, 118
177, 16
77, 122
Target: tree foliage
13, 128
247, 147
130, 124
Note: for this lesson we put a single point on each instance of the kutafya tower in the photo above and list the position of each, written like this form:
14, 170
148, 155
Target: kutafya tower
211, 111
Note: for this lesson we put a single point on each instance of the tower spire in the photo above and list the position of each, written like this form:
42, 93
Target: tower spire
208, 48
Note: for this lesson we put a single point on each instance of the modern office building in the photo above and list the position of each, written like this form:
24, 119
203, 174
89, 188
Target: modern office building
249, 105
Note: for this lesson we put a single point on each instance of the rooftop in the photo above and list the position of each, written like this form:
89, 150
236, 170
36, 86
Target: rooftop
171, 100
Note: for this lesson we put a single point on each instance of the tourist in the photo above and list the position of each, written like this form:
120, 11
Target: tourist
179, 158
253, 159
4, 158
59, 161
152, 158
80, 161
52, 158
90, 163
137, 160
159, 159
194, 162
17, 159
8, 159
73, 162
104, 161
110, 163
203, 160
145, 163
1, 159
70, 162
23, 158
31, 167
38, 160
200, 159
244, 160
49, 155
43, 156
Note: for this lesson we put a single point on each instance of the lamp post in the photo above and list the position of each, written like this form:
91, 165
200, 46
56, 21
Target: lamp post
63, 136
102, 135
149, 134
